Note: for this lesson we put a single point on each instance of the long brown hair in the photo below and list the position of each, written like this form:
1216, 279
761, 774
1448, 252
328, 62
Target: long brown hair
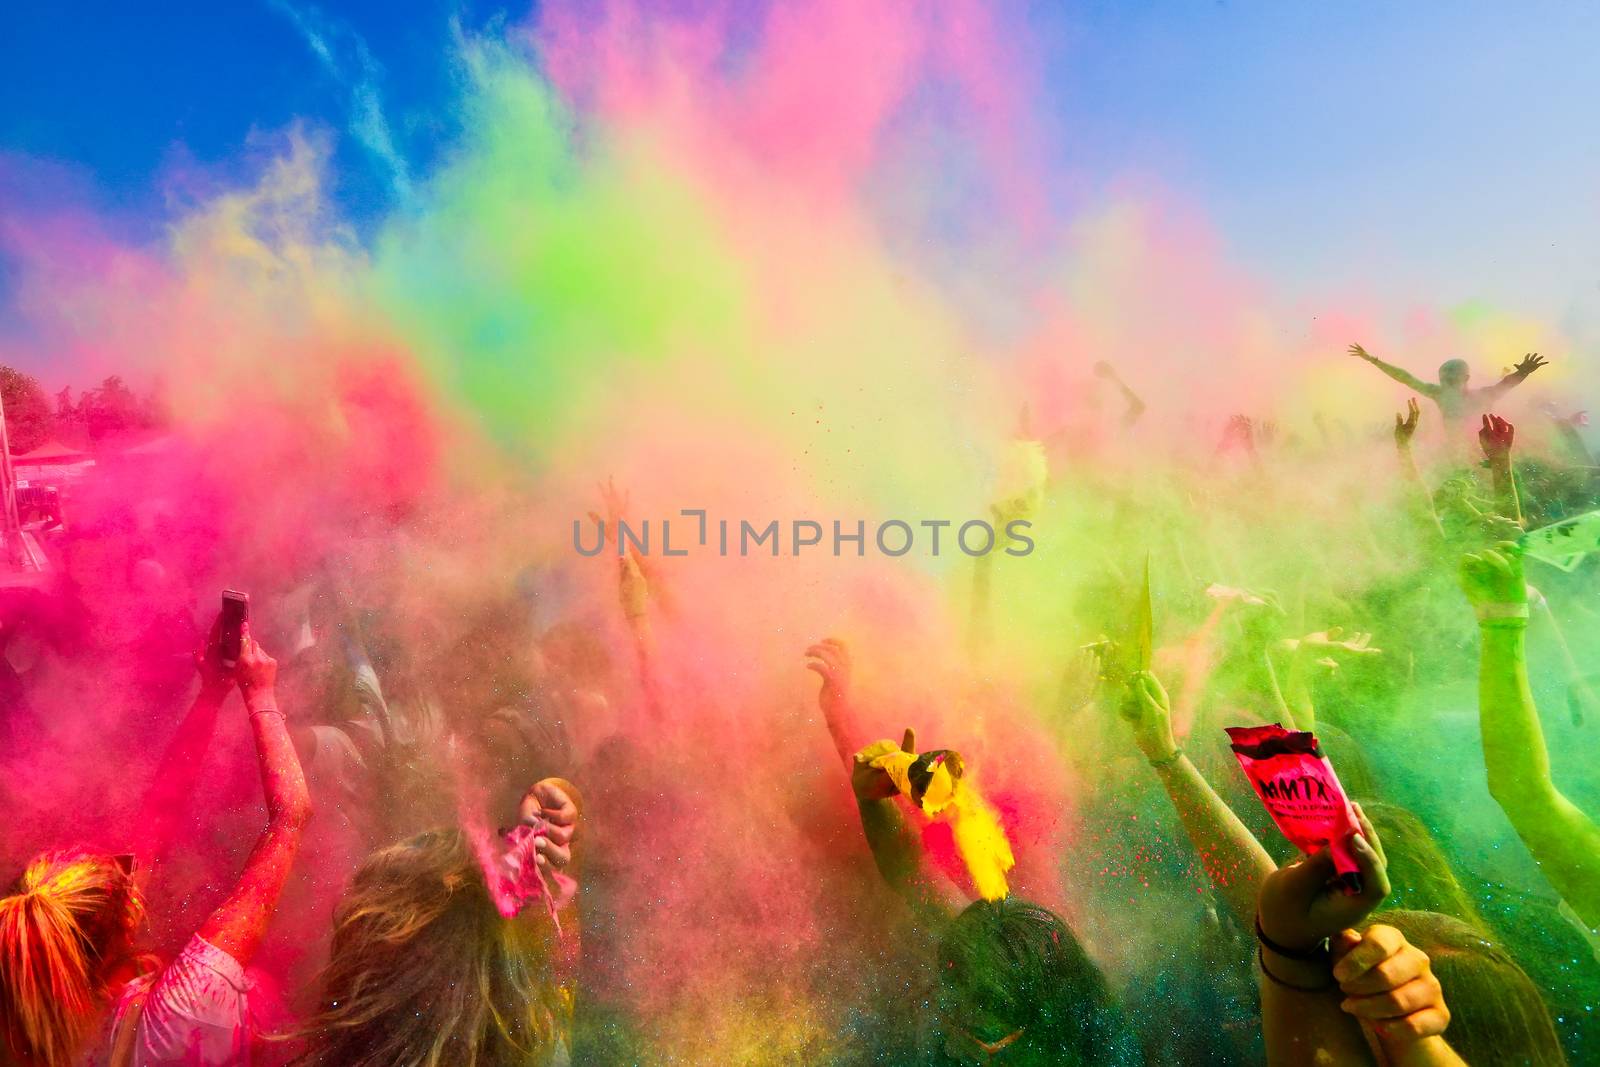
1421, 877
63, 926
424, 972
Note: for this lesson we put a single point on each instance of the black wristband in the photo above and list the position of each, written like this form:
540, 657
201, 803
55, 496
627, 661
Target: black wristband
1261, 961
1316, 952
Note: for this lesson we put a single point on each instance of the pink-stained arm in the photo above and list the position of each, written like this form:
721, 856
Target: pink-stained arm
830, 659
895, 848
239, 923
1199, 655
167, 799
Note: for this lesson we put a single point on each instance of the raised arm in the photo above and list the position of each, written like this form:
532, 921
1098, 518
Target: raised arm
1233, 859
1399, 374
1297, 914
1321, 650
167, 800
1563, 840
1518, 374
1405, 428
1134, 404
239, 923
1567, 427
637, 587
1495, 437
896, 850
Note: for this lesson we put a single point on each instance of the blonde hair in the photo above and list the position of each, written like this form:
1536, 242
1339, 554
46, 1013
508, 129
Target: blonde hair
424, 972
59, 928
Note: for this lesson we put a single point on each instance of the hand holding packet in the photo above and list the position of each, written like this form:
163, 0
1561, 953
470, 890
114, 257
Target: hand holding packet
1297, 785
517, 880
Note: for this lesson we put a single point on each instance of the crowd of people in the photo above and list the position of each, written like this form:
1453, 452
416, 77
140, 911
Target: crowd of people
454, 941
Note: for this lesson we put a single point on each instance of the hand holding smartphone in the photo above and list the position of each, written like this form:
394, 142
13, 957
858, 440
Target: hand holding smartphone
230, 639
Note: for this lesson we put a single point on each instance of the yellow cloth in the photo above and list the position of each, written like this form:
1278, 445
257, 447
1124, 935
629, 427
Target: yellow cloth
979, 838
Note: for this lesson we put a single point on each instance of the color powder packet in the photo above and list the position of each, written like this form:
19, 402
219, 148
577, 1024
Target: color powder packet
521, 880
1302, 794
1564, 544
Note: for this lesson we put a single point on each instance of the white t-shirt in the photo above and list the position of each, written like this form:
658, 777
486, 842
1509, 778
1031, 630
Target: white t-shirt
195, 1012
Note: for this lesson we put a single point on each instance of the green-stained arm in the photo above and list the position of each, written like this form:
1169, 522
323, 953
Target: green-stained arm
1564, 841
1233, 859
1405, 427
1323, 648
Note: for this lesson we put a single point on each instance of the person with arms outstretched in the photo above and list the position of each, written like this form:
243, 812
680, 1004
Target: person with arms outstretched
1450, 392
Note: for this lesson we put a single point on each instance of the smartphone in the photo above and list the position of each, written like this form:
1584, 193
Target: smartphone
235, 610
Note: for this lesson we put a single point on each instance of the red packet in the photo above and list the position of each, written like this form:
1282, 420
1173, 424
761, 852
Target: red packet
1302, 794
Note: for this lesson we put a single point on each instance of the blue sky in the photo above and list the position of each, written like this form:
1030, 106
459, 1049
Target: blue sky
1436, 152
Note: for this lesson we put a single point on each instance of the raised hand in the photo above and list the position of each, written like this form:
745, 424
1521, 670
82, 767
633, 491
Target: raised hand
1148, 710
830, 659
1240, 430
1108, 663
1359, 352
1528, 364
550, 808
1300, 905
257, 672
1331, 641
1494, 576
1024, 430
1406, 428
1495, 437
1228, 594
614, 508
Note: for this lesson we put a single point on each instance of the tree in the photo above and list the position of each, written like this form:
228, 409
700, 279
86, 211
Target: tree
30, 421
112, 410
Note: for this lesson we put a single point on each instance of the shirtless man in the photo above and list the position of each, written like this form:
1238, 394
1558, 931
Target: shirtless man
1455, 400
